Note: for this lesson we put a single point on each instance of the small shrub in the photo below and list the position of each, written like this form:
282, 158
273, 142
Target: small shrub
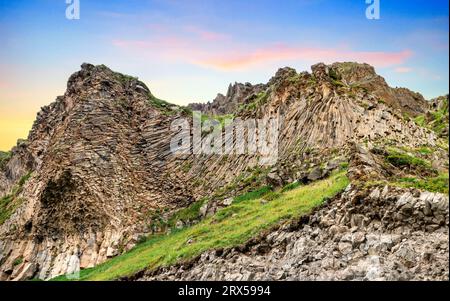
18, 261
187, 214
420, 120
141, 239
253, 195
406, 160
424, 150
343, 165
290, 186
4, 158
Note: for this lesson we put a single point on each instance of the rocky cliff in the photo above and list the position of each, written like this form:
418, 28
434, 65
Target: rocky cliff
96, 172
98, 164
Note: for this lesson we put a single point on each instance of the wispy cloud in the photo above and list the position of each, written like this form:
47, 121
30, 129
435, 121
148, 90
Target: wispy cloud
232, 61
403, 69
206, 35
218, 51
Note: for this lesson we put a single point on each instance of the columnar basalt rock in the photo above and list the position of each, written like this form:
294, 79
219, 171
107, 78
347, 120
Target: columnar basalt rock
100, 164
97, 168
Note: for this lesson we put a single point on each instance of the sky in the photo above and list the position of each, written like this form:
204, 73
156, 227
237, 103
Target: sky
190, 50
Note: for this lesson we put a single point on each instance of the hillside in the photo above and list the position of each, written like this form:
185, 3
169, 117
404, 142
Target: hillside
96, 178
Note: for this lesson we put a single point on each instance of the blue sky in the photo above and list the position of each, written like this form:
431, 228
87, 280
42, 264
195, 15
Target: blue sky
190, 50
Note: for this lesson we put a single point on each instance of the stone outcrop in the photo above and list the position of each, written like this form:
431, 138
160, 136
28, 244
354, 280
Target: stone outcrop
229, 103
382, 233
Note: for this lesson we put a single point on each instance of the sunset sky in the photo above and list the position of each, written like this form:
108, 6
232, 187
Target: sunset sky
190, 50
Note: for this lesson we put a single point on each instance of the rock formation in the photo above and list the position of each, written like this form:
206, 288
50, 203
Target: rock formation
378, 234
96, 170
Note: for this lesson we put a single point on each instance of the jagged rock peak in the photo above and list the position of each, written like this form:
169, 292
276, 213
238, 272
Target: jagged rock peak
103, 78
225, 104
350, 72
282, 74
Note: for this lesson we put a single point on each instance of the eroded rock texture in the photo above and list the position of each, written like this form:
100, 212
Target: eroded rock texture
100, 164
379, 234
97, 165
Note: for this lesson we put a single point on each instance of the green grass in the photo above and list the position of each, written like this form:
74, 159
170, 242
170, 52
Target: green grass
10, 202
259, 100
4, 158
433, 184
6, 208
436, 121
219, 118
420, 120
253, 195
251, 179
123, 78
159, 103
213, 121
290, 186
403, 159
187, 214
424, 150
18, 261
230, 226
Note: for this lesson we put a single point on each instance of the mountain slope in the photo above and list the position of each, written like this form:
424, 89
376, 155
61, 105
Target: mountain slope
96, 173
100, 165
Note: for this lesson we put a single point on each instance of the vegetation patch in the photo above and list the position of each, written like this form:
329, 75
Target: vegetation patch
10, 202
160, 104
436, 121
4, 158
403, 159
433, 184
258, 100
251, 179
124, 78
230, 227
290, 186
18, 261
253, 195
188, 214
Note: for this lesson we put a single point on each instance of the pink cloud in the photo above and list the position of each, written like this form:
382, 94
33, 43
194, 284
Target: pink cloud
231, 61
403, 69
210, 51
206, 34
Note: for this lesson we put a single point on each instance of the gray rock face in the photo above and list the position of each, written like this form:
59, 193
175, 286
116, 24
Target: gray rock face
377, 234
102, 167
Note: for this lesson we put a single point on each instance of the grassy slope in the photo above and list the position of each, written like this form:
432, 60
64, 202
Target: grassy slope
231, 226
